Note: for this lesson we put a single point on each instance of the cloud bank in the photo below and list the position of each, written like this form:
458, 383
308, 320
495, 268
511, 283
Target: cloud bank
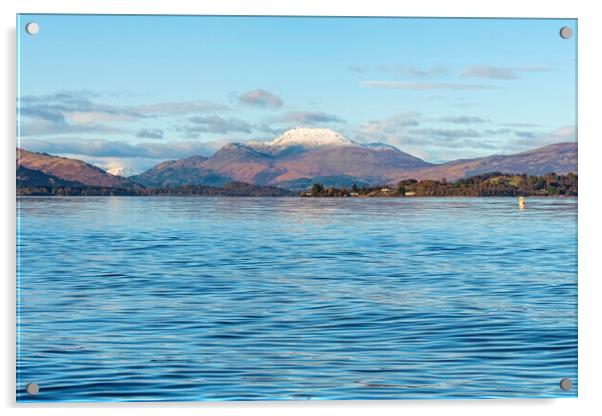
261, 98
424, 86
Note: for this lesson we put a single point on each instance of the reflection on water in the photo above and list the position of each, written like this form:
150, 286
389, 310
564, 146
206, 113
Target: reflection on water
253, 299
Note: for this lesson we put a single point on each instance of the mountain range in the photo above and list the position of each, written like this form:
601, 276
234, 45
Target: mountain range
300, 157
53, 168
303, 156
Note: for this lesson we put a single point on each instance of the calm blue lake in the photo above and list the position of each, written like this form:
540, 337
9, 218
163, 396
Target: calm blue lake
192, 298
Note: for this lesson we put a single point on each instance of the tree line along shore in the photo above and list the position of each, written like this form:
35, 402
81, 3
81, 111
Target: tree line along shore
490, 184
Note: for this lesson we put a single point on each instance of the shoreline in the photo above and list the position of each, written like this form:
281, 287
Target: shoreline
494, 184
302, 197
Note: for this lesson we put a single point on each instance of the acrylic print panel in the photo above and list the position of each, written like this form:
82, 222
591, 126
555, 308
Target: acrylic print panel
292, 208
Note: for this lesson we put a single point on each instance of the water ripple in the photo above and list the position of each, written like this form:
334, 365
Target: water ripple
129, 299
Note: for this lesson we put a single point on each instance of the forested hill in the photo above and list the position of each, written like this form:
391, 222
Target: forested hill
490, 184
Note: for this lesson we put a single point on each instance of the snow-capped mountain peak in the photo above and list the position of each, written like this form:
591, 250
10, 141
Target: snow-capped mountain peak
310, 137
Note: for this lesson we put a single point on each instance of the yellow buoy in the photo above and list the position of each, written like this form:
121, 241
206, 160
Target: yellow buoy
521, 202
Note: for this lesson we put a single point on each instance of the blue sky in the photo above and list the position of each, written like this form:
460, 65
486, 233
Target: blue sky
124, 92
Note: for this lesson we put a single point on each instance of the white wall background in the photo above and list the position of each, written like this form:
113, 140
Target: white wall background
590, 200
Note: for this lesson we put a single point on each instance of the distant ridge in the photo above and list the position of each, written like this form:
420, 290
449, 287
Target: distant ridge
560, 158
70, 169
292, 159
189, 171
301, 157
31, 178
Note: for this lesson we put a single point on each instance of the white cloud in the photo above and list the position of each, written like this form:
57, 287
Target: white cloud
261, 98
498, 72
424, 86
